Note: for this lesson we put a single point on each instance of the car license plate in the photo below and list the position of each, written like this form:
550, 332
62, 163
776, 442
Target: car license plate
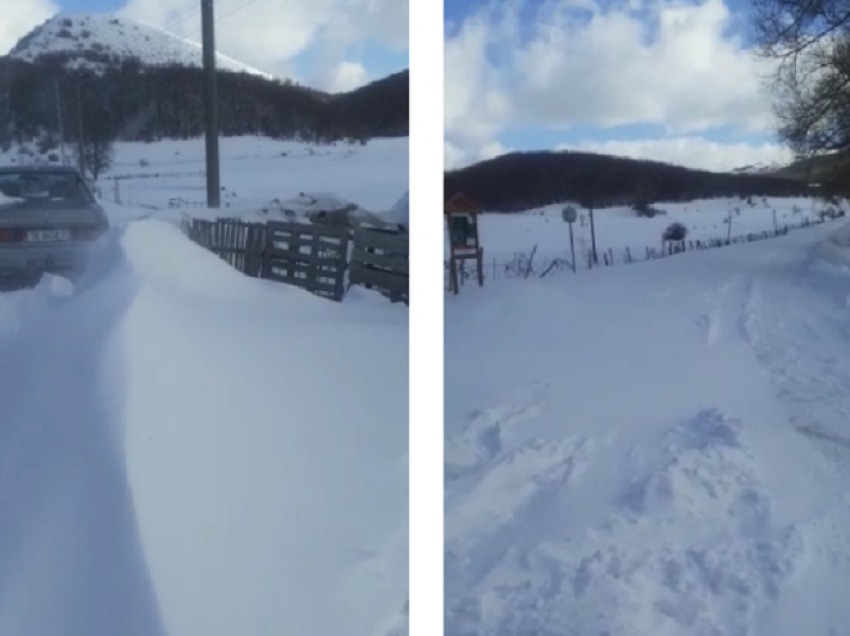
49, 235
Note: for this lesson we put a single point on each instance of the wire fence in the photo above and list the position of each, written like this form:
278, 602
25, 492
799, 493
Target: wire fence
528, 264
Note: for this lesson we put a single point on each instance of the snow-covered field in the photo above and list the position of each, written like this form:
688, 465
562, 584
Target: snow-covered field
185, 451
146, 178
504, 235
655, 449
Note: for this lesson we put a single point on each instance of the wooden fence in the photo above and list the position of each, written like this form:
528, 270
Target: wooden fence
313, 257
380, 261
240, 244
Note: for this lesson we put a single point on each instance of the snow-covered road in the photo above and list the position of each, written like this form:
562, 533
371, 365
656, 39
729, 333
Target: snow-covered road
655, 449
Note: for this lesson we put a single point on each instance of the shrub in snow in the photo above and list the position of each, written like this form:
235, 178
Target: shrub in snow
644, 211
675, 232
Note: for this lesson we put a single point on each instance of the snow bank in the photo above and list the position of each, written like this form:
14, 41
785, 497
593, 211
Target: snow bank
186, 451
835, 250
7, 200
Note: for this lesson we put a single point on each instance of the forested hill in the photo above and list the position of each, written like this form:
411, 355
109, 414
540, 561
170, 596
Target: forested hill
520, 181
133, 102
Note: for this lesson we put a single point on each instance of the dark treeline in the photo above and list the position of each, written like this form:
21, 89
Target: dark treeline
134, 103
520, 181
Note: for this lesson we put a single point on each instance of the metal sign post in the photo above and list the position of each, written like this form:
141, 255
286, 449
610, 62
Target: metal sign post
569, 214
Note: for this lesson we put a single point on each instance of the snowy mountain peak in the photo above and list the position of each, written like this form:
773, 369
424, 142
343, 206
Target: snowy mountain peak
98, 41
758, 168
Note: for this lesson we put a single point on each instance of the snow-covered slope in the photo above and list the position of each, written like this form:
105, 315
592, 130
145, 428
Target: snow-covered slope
98, 40
654, 449
759, 168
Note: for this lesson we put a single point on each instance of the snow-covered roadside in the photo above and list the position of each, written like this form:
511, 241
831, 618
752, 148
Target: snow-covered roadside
658, 449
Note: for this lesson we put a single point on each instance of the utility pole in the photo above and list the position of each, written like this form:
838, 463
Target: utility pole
80, 137
211, 105
61, 125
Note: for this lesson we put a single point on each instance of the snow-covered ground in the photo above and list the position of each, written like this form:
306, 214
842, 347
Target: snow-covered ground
504, 235
186, 451
146, 179
655, 449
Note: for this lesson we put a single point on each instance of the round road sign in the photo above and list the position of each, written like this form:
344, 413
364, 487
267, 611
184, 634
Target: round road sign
569, 214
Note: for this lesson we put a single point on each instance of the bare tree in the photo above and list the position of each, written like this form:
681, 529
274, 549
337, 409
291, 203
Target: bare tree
808, 44
97, 155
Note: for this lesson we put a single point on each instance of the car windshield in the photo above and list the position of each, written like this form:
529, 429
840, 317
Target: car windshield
24, 188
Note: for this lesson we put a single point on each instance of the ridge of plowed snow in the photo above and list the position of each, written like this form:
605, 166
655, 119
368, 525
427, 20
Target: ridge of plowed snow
122, 38
185, 450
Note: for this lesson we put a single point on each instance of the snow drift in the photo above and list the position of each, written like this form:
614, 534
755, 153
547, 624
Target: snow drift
186, 451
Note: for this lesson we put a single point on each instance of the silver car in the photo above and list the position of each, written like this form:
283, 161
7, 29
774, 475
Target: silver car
48, 220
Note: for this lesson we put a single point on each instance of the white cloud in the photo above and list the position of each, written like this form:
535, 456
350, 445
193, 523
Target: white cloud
661, 62
18, 18
458, 157
269, 34
345, 76
266, 34
693, 152
476, 105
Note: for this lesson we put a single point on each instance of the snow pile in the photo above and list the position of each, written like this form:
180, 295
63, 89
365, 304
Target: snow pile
7, 200
187, 451
307, 206
399, 214
324, 208
651, 450
76, 35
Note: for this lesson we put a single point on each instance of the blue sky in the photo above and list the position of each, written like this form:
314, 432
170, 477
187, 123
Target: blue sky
330, 44
672, 80
86, 6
